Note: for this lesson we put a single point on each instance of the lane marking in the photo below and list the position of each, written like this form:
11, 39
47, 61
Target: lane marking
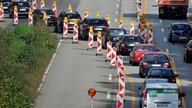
162, 29
117, 5
108, 95
115, 19
160, 20
167, 50
110, 77
116, 12
164, 39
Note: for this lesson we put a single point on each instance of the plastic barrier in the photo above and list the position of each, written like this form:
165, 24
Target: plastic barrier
75, 32
15, 18
34, 4
108, 19
30, 17
70, 8
1, 12
65, 27
54, 8
42, 4
121, 22
132, 27
86, 13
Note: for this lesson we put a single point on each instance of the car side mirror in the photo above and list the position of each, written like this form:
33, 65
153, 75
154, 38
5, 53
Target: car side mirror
182, 94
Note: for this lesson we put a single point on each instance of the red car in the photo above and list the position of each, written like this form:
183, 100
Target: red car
138, 52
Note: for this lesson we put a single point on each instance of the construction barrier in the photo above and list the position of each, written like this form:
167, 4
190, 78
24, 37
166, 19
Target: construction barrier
30, 17
109, 50
90, 40
113, 57
139, 21
121, 71
121, 92
75, 32
121, 22
1, 12
86, 13
54, 8
42, 4
139, 8
15, 18
97, 14
119, 61
45, 18
70, 8
34, 4
65, 27
132, 27
108, 19
150, 34
143, 32
99, 43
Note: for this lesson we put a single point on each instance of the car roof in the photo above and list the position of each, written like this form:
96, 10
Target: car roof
176, 23
162, 68
144, 44
162, 85
75, 12
127, 34
93, 18
44, 9
159, 52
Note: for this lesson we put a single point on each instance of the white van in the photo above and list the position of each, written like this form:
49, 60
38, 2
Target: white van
160, 95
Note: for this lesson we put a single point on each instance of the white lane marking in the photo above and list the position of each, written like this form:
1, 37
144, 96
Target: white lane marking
118, 0
108, 95
160, 21
49, 66
117, 5
164, 39
116, 12
167, 50
162, 29
115, 19
110, 77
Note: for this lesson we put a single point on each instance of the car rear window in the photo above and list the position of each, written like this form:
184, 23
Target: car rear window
132, 39
151, 48
21, 4
162, 72
72, 16
98, 22
181, 27
48, 12
155, 57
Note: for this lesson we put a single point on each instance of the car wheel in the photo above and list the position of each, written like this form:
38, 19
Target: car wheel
140, 105
170, 39
133, 63
130, 62
186, 59
140, 74
56, 29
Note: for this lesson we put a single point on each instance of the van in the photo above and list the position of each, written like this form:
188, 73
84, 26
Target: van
160, 95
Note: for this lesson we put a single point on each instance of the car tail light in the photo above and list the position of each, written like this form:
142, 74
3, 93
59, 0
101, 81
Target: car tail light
106, 27
40, 16
122, 45
108, 37
53, 16
88, 27
173, 32
145, 98
166, 64
189, 49
10, 3
173, 80
145, 64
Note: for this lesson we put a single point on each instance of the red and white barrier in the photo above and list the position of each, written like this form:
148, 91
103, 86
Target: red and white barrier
90, 40
109, 50
86, 13
121, 92
108, 19
119, 61
120, 100
42, 4
45, 18
65, 27
1, 12
15, 18
30, 17
97, 14
113, 57
143, 32
121, 22
132, 28
139, 8
150, 34
121, 71
99, 43
70, 8
54, 8
75, 32
34, 4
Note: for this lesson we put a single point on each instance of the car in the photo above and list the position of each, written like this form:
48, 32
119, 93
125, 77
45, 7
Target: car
162, 73
138, 52
98, 24
159, 93
188, 52
22, 6
71, 16
125, 45
112, 34
153, 60
38, 15
6, 4
179, 32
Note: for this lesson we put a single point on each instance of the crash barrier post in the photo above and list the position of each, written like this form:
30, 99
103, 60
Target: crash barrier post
75, 33
150, 34
45, 18
42, 4
70, 8
54, 8
86, 13
121, 22
132, 27
90, 38
1, 12
34, 4
109, 51
65, 27
139, 22
108, 19
97, 14
113, 57
144, 31
121, 92
15, 18
121, 71
30, 17
119, 61
99, 44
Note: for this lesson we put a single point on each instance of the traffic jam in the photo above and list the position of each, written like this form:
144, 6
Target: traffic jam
120, 47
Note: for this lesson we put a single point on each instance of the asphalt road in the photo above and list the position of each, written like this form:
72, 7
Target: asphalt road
74, 69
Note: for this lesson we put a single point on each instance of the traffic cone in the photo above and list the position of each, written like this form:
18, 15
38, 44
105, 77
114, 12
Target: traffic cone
42, 4
109, 51
15, 18
1, 12
30, 17
113, 57
54, 8
65, 27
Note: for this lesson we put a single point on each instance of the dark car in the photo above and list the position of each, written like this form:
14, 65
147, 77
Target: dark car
98, 23
6, 4
112, 35
153, 60
125, 45
179, 32
71, 16
22, 6
162, 73
188, 52
38, 15
138, 52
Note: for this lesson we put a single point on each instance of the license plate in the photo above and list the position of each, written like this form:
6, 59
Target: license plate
97, 28
131, 44
156, 65
22, 9
162, 105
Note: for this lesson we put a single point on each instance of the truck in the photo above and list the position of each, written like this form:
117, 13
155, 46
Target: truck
173, 8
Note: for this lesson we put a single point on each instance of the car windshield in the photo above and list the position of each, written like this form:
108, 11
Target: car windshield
132, 39
181, 27
155, 57
48, 12
161, 72
151, 48
98, 22
72, 16
116, 32
22, 4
